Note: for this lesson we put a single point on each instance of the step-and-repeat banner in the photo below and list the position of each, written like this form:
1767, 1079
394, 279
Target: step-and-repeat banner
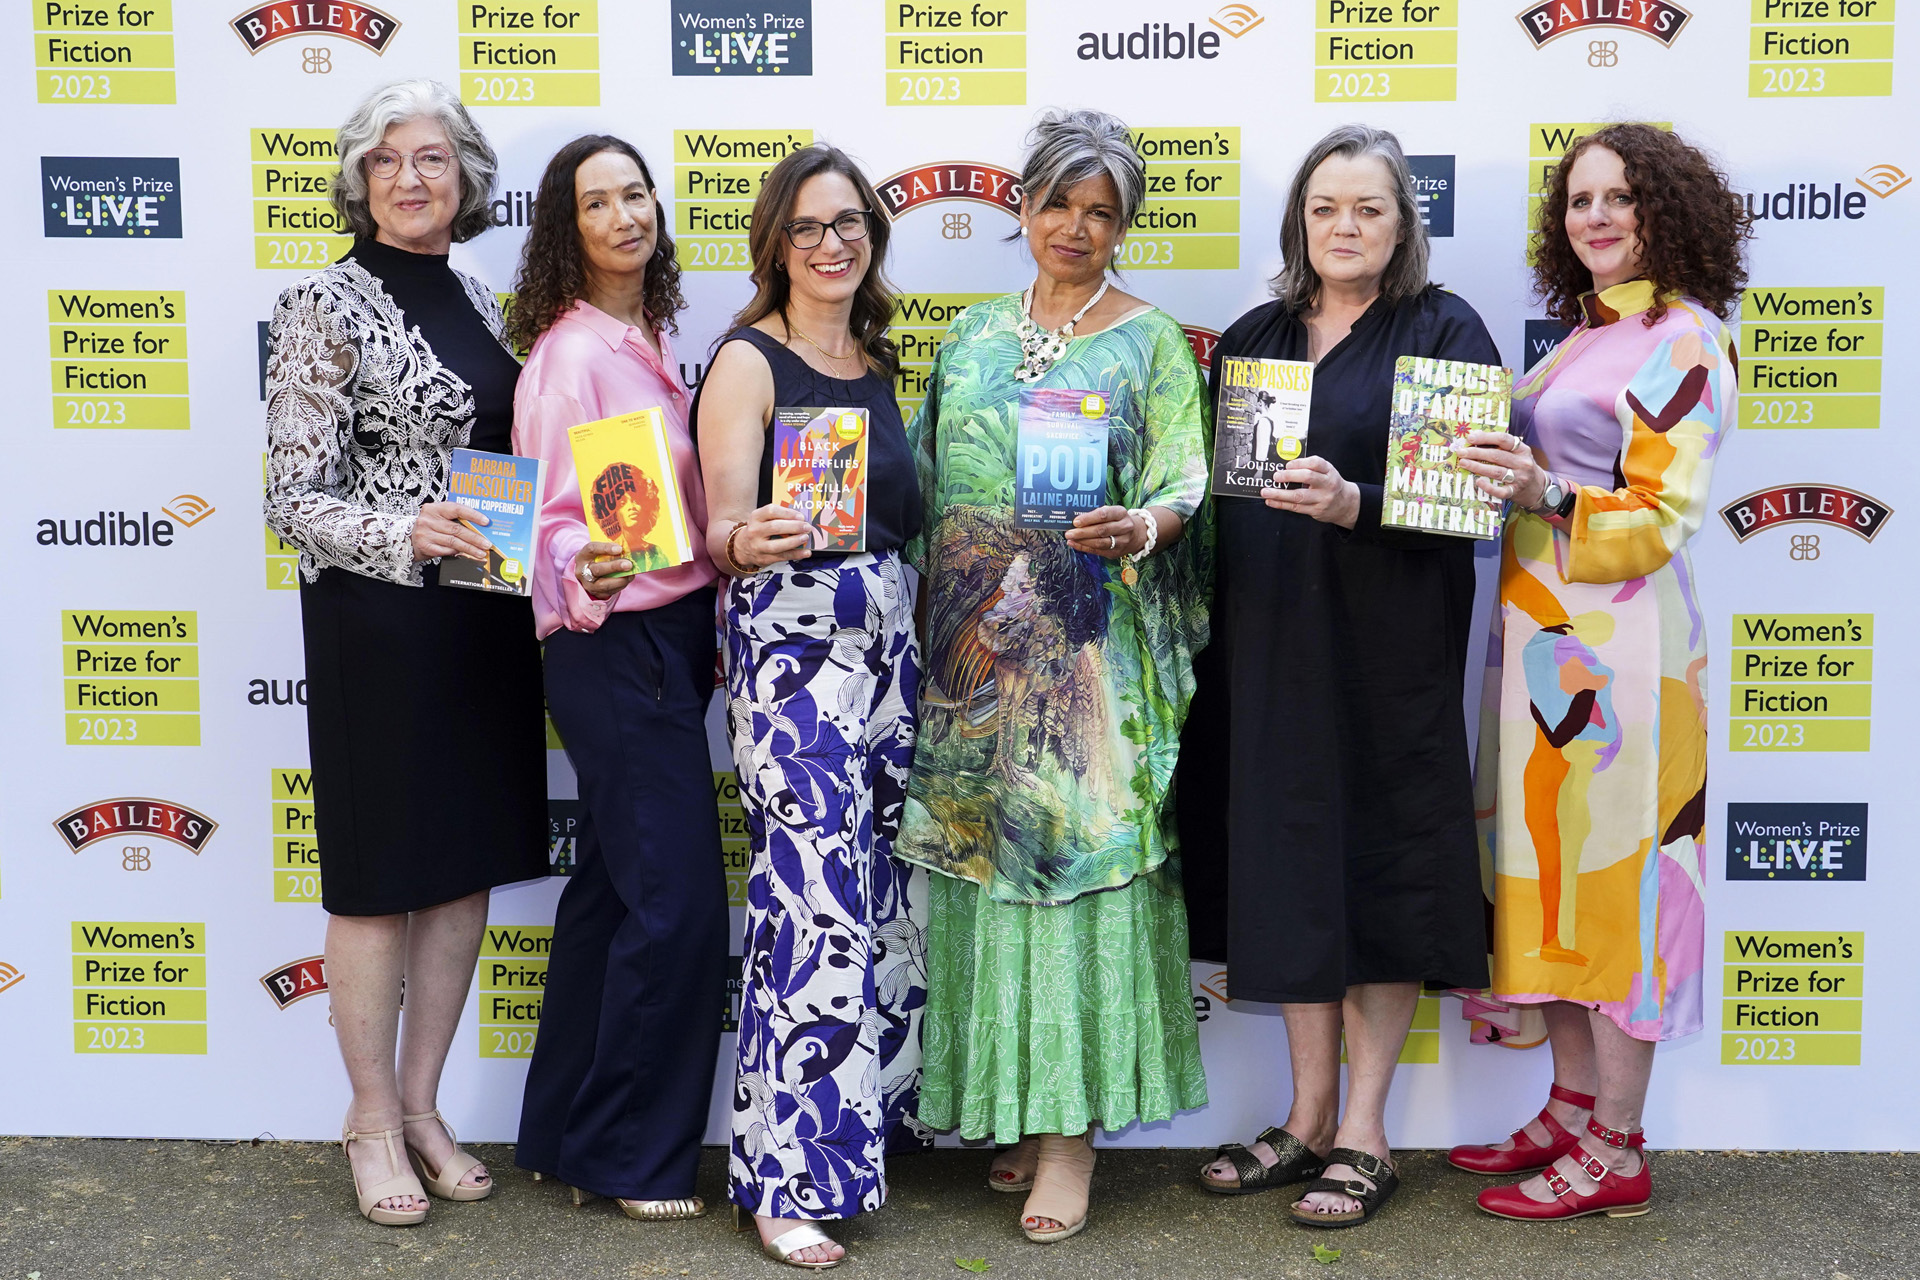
166, 177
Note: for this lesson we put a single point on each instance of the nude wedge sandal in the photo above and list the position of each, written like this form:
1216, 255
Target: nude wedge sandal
446, 1183
400, 1184
1062, 1185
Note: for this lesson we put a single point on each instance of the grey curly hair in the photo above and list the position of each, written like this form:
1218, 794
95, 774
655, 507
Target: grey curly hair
1066, 148
397, 103
1298, 284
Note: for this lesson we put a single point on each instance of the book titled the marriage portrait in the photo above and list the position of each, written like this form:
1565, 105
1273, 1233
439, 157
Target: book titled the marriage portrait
1436, 402
1060, 468
629, 489
820, 470
1261, 425
506, 490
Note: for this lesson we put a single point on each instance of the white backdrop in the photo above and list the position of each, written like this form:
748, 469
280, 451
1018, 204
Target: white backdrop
181, 146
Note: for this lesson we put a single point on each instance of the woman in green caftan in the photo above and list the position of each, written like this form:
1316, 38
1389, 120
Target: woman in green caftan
1057, 675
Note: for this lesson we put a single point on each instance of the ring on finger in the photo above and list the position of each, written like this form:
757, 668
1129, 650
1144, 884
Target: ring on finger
586, 575
1507, 478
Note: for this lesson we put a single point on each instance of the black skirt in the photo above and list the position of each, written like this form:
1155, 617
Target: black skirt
426, 734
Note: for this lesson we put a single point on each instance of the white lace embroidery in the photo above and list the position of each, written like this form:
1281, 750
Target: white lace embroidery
361, 418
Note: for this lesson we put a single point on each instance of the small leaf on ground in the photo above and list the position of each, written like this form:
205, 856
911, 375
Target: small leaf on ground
1323, 1254
972, 1264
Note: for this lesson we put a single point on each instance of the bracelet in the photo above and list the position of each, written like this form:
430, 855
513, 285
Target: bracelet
738, 570
1130, 574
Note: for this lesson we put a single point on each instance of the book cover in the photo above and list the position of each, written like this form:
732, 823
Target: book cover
629, 489
506, 490
820, 470
1261, 422
1060, 457
1436, 402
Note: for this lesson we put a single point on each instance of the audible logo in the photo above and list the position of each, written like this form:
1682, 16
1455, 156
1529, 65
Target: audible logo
9, 976
110, 195
1236, 19
1883, 179
124, 529
1152, 42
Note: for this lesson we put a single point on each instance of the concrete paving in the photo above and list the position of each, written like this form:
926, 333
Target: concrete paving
77, 1209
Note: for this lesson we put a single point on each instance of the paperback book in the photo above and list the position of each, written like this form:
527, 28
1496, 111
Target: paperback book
1261, 426
820, 470
1061, 457
506, 490
1436, 402
629, 489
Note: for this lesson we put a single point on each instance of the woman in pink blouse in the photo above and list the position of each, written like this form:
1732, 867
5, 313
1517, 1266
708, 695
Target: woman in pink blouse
617, 1091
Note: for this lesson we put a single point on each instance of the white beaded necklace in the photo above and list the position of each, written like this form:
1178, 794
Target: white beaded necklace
1039, 348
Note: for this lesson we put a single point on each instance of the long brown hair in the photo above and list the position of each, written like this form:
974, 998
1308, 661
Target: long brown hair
1691, 224
873, 304
553, 272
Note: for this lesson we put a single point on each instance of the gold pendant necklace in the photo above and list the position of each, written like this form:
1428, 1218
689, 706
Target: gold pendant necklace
795, 330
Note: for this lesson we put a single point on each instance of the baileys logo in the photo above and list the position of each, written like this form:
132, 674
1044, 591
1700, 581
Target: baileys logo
361, 23
959, 180
296, 981
1858, 513
135, 815
1660, 19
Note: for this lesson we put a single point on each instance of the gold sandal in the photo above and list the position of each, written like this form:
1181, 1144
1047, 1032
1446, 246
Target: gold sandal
783, 1246
400, 1184
1062, 1185
663, 1210
446, 1183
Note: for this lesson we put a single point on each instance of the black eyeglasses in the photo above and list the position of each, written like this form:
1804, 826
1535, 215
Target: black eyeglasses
805, 233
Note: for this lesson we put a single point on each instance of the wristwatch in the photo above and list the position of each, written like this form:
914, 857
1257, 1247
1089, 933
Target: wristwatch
1558, 499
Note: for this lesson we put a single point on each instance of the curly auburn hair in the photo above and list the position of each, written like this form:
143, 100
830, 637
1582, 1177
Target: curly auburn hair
1691, 223
553, 271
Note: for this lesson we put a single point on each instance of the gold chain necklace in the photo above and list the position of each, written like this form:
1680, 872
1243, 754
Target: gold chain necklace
795, 330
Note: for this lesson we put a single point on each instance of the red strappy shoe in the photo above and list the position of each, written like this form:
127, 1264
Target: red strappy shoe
1526, 1155
1616, 1196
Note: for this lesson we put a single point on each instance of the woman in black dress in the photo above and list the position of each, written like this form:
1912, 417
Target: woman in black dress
1326, 756
380, 366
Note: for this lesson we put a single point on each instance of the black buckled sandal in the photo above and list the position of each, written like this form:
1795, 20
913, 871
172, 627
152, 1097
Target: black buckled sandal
1385, 1183
1296, 1163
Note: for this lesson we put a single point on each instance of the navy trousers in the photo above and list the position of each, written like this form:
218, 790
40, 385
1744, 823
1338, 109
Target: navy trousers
622, 1071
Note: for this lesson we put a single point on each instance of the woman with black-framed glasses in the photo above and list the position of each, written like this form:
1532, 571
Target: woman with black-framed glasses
822, 674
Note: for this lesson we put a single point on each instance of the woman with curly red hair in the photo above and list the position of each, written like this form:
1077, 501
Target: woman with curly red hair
617, 1092
1591, 776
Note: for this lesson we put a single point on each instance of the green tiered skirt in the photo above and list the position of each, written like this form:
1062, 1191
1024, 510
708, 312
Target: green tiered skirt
1049, 1019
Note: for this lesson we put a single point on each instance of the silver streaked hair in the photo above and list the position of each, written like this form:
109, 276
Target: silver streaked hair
398, 103
1065, 148
1298, 284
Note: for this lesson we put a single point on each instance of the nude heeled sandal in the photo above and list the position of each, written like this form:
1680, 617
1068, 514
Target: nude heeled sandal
1012, 1168
446, 1183
1062, 1186
400, 1184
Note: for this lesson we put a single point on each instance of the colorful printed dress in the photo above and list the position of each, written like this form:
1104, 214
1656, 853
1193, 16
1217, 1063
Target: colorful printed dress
1591, 778
1050, 712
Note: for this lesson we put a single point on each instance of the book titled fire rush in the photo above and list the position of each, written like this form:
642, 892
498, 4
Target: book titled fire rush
629, 489
1436, 402
820, 470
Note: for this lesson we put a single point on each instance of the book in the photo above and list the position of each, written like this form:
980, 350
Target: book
629, 489
506, 490
820, 470
1061, 457
1436, 402
1261, 423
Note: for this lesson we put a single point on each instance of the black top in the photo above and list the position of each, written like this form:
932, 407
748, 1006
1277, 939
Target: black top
893, 486
432, 300
1325, 801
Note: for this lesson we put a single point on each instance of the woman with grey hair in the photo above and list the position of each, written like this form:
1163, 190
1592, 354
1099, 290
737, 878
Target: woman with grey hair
379, 366
1326, 772
1062, 452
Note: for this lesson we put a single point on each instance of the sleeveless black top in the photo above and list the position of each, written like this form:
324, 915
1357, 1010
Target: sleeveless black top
893, 487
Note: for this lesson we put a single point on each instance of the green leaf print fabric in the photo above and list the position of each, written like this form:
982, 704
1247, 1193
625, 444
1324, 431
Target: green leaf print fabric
1053, 693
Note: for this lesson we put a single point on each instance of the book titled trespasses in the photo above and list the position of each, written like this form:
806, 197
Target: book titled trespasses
1436, 402
820, 470
1060, 457
629, 489
1261, 426
506, 490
